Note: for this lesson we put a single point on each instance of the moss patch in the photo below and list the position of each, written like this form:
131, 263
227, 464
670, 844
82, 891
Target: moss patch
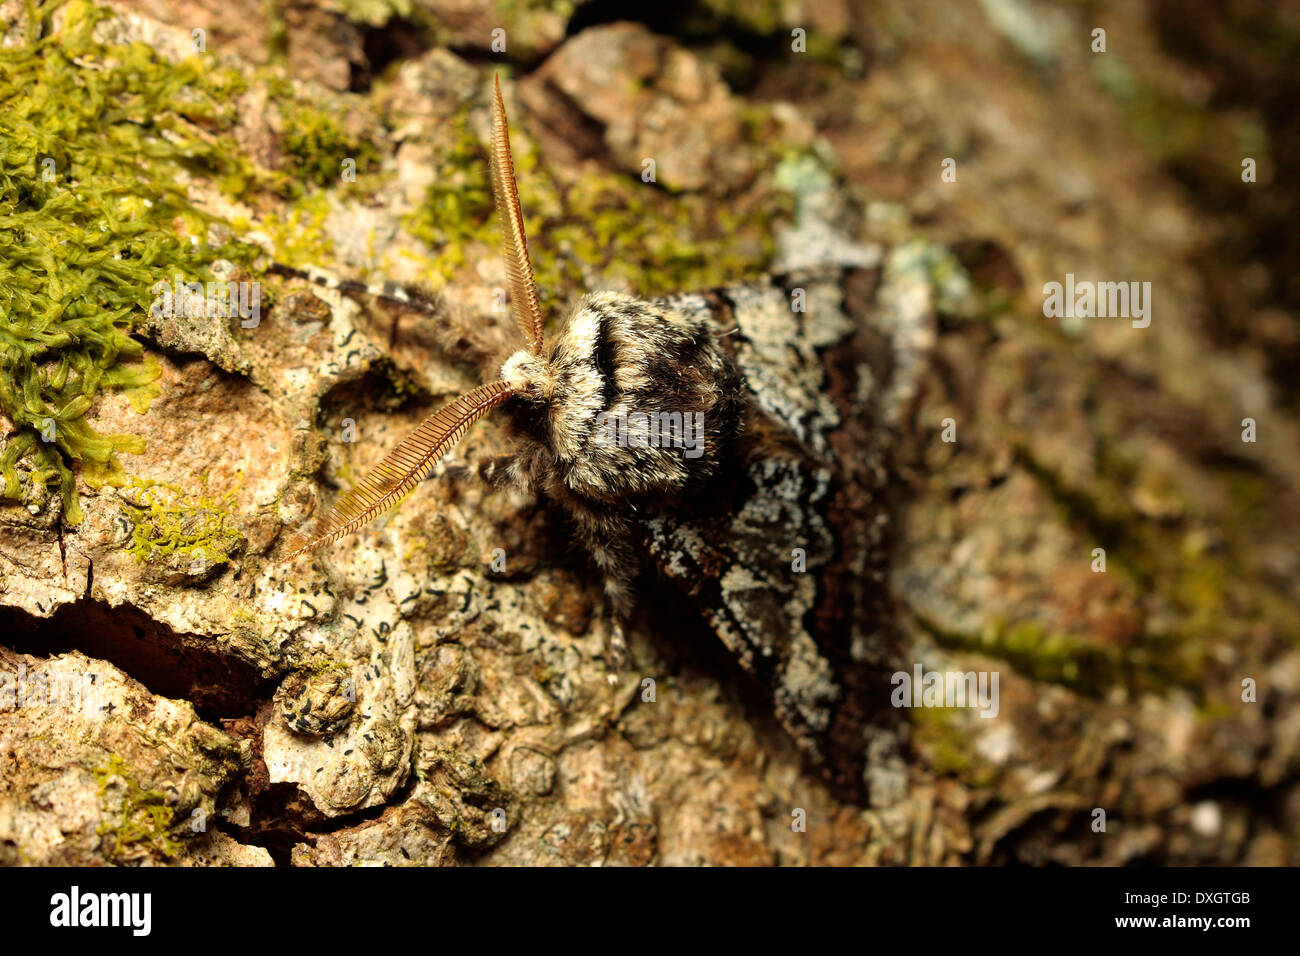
314, 143
141, 824
374, 13
940, 734
1214, 594
457, 208
96, 141
1032, 650
603, 227
166, 523
298, 234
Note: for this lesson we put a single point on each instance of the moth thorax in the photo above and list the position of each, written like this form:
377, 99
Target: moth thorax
530, 376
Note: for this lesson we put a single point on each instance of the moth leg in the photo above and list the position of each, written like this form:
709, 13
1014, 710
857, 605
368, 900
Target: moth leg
497, 471
494, 471
608, 541
615, 653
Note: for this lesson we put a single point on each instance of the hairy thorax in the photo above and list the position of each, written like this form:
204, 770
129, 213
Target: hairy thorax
632, 400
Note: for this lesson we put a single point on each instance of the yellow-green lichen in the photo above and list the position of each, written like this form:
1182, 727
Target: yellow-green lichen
96, 140
165, 522
143, 821
944, 736
298, 235
314, 143
603, 227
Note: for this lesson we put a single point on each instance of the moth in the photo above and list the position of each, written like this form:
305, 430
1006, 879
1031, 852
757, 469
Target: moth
738, 498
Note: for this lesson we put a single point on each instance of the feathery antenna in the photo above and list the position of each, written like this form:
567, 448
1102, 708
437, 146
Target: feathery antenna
407, 464
401, 470
514, 243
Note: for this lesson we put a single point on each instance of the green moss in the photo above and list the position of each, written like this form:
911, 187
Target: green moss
321, 664
1083, 664
298, 234
1102, 511
604, 227
457, 208
242, 617
1043, 655
508, 10
313, 142
277, 33
167, 523
1209, 592
96, 140
770, 21
764, 17
655, 242
374, 13
144, 822
319, 145
948, 746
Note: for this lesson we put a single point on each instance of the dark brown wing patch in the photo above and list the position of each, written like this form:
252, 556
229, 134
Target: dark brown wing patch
784, 554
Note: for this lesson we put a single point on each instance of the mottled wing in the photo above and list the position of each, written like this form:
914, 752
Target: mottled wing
784, 558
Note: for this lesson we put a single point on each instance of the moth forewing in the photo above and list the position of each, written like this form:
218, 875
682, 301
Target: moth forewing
514, 241
401, 469
783, 558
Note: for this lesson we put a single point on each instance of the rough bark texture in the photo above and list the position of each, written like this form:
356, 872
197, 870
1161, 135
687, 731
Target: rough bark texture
401, 699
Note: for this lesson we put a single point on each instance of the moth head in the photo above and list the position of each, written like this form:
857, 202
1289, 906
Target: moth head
530, 377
